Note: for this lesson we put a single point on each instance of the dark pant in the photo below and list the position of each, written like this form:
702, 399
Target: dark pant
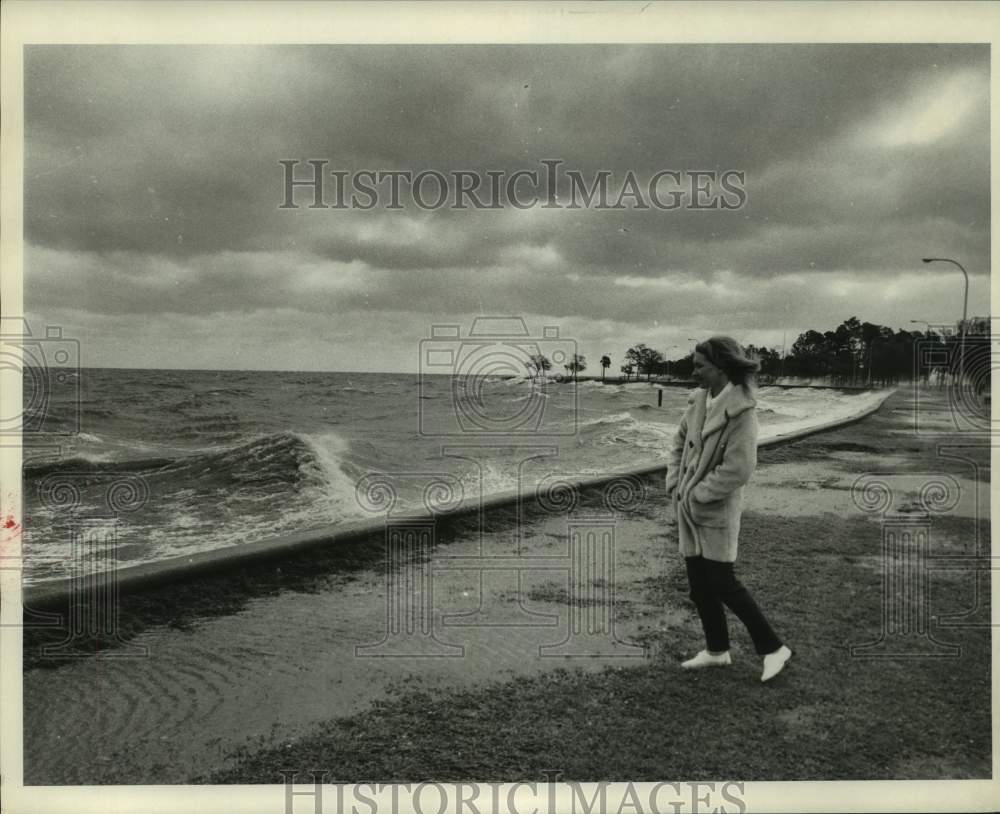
714, 584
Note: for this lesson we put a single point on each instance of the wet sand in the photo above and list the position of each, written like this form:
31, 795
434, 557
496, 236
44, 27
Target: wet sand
287, 661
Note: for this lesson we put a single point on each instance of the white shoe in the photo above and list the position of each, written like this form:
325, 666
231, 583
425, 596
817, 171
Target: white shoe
775, 662
706, 659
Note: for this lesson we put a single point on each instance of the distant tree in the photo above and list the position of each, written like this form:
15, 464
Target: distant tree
645, 359
683, 368
537, 365
812, 355
770, 360
634, 356
895, 357
654, 363
850, 346
605, 364
627, 369
875, 337
576, 365
864, 352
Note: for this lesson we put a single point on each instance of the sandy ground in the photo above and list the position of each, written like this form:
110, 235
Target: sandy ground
497, 605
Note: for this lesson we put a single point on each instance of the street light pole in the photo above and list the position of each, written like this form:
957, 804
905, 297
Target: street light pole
965, 312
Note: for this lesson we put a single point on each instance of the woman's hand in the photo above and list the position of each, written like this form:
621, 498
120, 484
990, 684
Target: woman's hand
669, 484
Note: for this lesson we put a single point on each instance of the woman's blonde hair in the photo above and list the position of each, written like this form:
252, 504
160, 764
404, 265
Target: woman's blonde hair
726, 354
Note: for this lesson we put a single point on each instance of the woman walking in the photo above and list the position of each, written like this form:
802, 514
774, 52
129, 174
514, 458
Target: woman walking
713, 455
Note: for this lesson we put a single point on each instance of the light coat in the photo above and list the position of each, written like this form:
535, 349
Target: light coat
712, 458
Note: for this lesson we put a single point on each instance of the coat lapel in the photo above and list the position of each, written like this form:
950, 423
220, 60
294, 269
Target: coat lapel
727, 406
697, 419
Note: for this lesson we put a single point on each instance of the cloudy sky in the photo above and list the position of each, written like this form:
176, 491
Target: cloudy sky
152, 188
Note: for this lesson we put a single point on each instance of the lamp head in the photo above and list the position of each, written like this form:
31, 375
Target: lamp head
927, 259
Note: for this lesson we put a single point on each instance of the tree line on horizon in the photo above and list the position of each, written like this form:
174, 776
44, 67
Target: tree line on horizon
854, 353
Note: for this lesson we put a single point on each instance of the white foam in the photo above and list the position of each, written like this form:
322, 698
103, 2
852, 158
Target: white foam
529, 396
332, 489
640, 385
613, 418
491, 478
840, 407
94, 457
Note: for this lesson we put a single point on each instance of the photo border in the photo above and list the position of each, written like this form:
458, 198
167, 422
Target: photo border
430, 23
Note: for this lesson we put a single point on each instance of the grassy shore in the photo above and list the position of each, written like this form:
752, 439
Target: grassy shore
815, 571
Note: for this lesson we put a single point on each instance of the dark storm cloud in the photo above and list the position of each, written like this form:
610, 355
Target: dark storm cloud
152, 177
